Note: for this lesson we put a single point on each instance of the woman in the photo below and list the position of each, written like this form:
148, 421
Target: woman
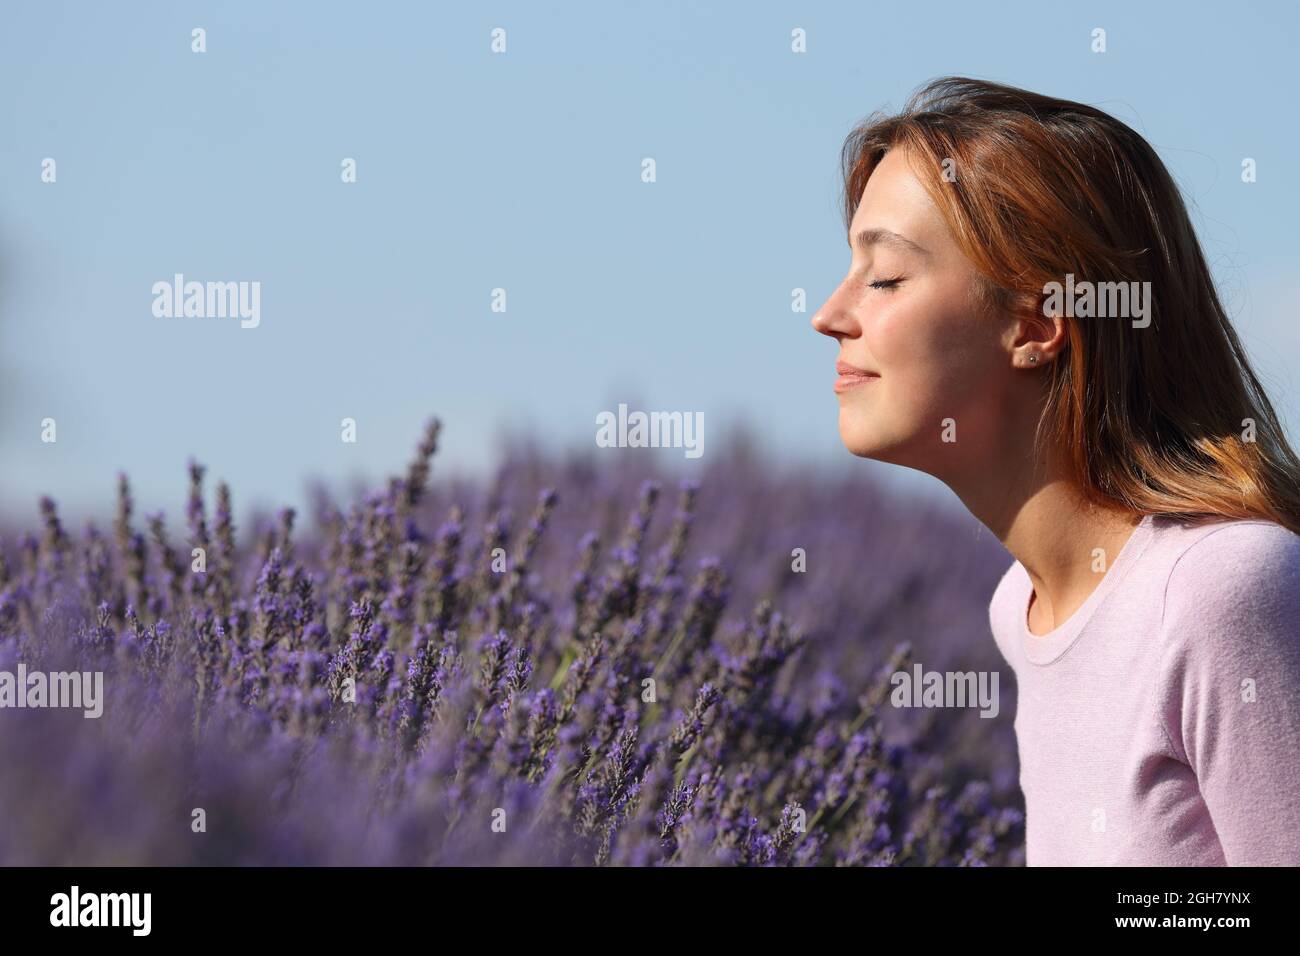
1028, 317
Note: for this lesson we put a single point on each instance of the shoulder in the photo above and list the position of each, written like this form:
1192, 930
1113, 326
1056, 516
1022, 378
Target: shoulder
1234, 586
1007, 584
1231, 633
1009, 600
1220, 566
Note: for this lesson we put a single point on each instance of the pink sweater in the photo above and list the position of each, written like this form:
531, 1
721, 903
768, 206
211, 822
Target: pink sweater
1159, 725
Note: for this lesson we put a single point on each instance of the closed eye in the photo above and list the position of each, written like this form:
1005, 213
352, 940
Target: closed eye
885, 283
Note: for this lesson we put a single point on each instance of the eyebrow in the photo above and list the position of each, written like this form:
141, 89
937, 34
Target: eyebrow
870, 237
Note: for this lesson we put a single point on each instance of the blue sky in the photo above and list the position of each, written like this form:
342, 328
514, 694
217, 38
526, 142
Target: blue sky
522, 171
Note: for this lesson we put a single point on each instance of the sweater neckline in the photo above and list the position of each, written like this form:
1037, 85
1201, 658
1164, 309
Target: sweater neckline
1046, 648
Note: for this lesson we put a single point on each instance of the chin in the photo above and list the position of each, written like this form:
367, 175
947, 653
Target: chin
865, 439
861, 441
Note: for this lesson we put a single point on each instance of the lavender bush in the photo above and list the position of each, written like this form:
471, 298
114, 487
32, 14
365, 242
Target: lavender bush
422, 679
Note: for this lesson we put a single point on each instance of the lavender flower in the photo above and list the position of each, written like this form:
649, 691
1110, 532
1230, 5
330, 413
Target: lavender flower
377, 688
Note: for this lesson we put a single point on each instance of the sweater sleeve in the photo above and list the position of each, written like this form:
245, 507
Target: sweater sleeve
1231, 685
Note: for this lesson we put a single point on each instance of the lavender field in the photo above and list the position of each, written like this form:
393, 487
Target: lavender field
579, 662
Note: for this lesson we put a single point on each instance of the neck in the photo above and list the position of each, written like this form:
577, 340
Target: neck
1040, 514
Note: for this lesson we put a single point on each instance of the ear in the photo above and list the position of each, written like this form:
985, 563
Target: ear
1040, 333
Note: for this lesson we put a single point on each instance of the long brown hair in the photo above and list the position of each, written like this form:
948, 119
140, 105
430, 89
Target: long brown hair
1156, 419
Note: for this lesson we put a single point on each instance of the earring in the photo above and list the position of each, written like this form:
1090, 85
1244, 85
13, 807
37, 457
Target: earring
1033, 358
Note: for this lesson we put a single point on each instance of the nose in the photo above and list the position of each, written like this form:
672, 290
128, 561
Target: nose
834, 318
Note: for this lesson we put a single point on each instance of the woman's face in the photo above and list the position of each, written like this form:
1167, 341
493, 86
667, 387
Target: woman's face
916, 349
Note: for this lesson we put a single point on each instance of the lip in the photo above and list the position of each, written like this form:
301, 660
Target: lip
850, 376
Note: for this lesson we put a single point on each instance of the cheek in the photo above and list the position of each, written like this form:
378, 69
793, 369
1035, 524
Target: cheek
930, 355
917, 342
